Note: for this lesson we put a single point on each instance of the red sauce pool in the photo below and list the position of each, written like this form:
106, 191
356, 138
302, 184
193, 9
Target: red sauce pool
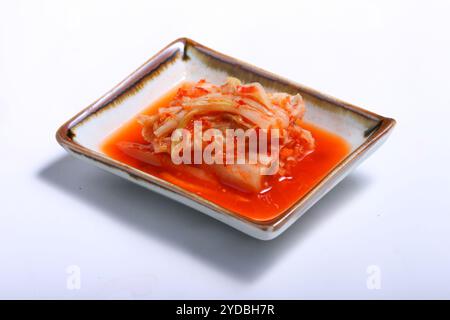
330, 150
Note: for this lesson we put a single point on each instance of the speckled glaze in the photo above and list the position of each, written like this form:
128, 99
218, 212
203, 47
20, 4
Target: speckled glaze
185, 60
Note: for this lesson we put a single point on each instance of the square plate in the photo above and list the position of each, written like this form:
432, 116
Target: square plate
186, 60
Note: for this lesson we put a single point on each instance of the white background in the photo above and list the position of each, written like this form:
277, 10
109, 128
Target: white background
393, 212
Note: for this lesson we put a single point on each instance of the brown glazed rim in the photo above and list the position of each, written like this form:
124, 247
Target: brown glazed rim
65, 135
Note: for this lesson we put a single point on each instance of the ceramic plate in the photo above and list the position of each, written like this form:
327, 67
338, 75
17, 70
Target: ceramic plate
186, 60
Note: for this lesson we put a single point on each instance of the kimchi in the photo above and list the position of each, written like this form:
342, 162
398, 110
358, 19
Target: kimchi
204, 107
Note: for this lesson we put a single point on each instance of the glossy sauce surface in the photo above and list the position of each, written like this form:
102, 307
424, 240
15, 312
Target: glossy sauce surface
268, 204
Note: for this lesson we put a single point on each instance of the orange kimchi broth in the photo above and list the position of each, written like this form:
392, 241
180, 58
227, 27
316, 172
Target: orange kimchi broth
279, 194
